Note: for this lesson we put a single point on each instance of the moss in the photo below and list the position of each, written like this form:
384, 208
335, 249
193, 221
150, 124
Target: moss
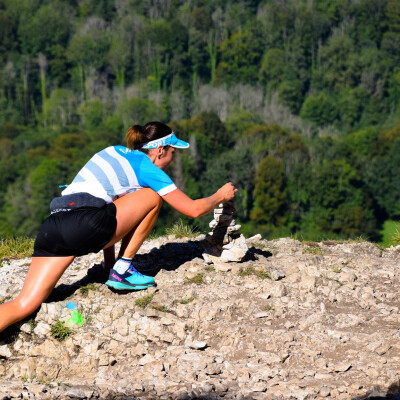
161, 308
185, 301
60, 332
144, 301
198, 279
85, 289
250, 270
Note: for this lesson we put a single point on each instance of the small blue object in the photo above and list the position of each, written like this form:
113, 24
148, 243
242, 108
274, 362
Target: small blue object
62, 186
71, 306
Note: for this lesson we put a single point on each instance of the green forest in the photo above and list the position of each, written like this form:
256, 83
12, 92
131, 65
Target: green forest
297, 102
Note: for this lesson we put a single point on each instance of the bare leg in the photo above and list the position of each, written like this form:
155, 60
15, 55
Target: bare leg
42, 276
137, 213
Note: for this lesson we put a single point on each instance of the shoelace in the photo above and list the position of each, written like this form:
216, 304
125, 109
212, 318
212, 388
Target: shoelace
133, 270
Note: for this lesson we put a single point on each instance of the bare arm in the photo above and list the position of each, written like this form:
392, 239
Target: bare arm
196, 208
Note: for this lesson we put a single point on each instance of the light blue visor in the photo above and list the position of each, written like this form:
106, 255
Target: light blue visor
170, 140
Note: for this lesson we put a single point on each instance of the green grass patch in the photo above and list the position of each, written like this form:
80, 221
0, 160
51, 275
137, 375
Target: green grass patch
250, 270
144, 301
209, 268
15, 248
334, 280
180, 230
185, 301
161, 308
32, 324
390, 233
198, 279
268, 307
84, 290
313, 250
60, 332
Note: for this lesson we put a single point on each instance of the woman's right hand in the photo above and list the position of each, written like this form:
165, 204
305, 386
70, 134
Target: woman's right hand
227, 192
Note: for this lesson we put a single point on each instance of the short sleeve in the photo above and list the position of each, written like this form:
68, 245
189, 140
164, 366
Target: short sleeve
155, 178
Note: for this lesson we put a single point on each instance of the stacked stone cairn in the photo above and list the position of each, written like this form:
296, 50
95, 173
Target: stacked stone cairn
226, 242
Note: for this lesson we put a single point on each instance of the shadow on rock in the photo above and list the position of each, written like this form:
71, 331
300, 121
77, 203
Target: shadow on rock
392, 393
253, 254
168, 257
95, 274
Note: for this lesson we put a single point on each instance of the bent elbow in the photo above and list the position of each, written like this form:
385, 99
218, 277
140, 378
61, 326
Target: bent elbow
196, 214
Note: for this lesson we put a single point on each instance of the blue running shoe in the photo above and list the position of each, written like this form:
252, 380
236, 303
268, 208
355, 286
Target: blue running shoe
131, 279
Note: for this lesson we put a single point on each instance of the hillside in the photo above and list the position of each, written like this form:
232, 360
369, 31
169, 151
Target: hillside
292, 321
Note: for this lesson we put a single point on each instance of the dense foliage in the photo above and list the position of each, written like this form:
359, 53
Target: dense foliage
295, 101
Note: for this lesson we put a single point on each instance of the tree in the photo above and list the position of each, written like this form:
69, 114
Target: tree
49, 25
60, 107
140, 111
240, 56
270, 193
319, 109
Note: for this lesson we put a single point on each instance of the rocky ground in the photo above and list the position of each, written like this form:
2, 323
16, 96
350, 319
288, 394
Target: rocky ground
292, 321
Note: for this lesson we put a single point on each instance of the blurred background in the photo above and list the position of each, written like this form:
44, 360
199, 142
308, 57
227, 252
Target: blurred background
295, 101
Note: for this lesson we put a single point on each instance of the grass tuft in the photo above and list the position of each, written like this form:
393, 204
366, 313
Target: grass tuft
180, 230
268, 307
185, 301
250, 270
144, 301
85, 289
395, 239
313, 250
198, 279
60, 332
15, 248
161, 308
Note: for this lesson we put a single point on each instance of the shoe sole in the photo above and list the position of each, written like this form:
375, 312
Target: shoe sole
121, 286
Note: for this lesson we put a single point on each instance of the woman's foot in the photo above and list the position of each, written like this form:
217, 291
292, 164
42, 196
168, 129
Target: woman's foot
124, 276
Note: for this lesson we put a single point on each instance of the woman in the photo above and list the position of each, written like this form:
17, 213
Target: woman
103, 205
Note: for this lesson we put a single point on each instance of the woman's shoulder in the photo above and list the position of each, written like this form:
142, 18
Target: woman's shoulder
123, 151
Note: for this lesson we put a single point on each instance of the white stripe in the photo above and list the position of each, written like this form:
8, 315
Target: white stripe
95, 190
130, 173
167, 189
108, 170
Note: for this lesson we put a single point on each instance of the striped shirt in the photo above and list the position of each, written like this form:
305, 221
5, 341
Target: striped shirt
116, 171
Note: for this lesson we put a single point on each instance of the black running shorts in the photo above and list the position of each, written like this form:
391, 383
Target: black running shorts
76, 232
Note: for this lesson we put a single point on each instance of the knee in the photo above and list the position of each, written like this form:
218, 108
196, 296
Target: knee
24, 307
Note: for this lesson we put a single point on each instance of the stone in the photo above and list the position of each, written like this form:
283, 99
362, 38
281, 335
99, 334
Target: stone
277, 275
343, 367
227, 245
42, 329
197, 345
327, 336
5, 351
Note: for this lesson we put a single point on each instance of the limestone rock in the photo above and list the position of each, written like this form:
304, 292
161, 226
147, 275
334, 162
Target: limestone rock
327, 327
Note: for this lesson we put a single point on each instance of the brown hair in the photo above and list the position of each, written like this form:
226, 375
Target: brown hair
138, 135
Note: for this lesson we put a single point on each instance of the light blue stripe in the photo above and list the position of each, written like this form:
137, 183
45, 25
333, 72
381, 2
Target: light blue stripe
101, 177
78, 178
117, 167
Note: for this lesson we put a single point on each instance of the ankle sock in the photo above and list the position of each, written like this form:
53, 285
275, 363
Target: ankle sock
122, 265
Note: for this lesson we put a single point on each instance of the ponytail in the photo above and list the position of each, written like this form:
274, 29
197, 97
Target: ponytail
135, 137
138, 135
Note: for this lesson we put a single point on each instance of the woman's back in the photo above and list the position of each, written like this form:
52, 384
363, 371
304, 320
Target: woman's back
116, 171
